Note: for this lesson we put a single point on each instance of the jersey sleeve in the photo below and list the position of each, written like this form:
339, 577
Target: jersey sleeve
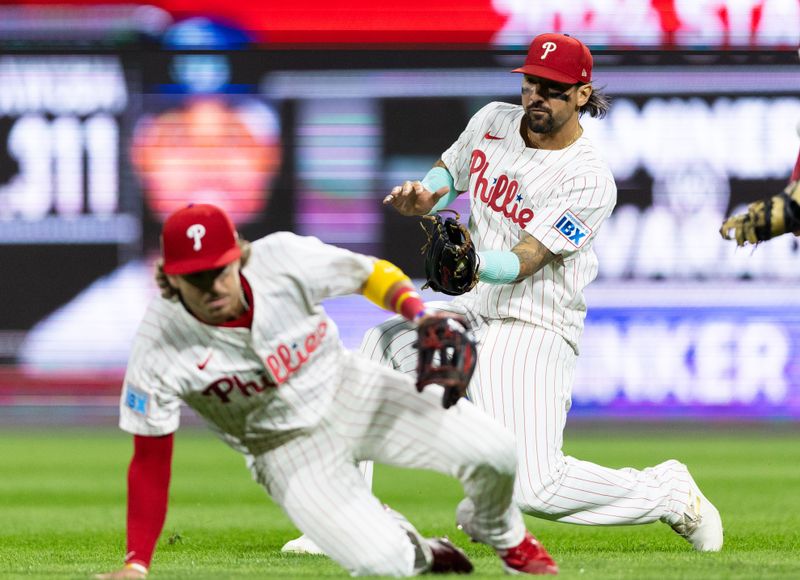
146, 407
575, 213
458, 156
326, 271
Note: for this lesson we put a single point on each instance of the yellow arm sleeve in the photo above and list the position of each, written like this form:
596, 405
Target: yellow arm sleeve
384, 276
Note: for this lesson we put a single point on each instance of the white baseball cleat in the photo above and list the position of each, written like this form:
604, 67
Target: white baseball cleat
700, 524
302, 545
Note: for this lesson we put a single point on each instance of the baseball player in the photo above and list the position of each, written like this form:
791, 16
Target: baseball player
539, 193
239, 335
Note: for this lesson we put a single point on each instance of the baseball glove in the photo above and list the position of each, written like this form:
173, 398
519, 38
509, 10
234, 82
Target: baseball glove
447, 355
766, 218
450, 261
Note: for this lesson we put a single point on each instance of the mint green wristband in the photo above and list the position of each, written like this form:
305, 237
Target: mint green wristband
498, 267
434, 180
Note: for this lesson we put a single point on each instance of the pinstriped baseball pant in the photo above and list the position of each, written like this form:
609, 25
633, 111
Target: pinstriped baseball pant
377, 414
523, 380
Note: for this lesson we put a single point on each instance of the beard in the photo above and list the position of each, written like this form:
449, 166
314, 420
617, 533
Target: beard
543, 125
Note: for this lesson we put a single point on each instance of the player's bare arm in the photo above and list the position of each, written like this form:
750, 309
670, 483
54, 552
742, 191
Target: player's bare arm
415, 197
533, 256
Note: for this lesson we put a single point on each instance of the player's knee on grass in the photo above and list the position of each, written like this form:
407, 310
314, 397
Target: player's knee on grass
534, 493
386, 559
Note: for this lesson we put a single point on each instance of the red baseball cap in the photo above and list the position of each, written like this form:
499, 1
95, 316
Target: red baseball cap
198, 237
559, 58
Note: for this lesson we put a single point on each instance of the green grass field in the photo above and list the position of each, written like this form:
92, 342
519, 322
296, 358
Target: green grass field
62, 497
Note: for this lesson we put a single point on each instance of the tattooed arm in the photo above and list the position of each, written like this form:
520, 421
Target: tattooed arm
533, 256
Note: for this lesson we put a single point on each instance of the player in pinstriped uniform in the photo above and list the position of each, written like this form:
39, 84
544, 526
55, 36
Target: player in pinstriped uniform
251, 350
539, 192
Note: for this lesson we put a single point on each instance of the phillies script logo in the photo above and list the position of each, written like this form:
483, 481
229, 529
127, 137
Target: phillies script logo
287, 361
222, 388
503, 196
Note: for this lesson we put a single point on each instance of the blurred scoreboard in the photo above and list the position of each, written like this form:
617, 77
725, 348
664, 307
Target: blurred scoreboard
62, 117
66, 210
679, 323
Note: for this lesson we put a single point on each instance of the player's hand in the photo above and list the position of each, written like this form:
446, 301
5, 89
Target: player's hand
412, 198
125, 572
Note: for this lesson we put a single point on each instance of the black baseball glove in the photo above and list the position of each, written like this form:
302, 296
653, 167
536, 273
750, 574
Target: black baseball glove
451, 265
447, 355
766, 219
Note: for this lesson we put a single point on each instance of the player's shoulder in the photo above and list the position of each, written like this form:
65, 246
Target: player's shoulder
286, 252
585, 169
158, 324
588, 161
161, 312
497, 119
284, 241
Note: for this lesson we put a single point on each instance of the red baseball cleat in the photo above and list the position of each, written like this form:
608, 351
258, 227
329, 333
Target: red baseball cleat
529, 557
447, 557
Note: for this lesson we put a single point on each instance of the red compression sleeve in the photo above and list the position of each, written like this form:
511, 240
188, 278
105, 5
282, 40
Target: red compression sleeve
148, 486
406, 301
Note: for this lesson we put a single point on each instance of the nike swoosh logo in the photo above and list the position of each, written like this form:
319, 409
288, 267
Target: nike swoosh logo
490, 136
202, 365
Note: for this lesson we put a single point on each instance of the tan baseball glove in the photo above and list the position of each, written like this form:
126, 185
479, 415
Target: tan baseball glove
766, 218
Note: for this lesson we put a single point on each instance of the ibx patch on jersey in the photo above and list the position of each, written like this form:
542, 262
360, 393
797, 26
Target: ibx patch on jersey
136, 400
572, 228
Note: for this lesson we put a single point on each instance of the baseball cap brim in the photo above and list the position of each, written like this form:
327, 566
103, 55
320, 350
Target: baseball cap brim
198, 265
544, 72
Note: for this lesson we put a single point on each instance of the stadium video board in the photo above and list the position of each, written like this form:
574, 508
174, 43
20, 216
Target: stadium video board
95, 148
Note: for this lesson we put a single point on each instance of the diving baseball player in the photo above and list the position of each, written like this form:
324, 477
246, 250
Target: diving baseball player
539, 192
239, 335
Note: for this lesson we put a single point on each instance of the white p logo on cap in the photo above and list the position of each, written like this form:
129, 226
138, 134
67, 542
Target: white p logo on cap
548, 48
196, 232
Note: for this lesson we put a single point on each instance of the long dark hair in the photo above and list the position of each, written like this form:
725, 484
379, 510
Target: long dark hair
597, 105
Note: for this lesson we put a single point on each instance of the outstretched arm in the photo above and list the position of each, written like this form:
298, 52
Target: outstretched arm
389, 287
434, 192
148, 487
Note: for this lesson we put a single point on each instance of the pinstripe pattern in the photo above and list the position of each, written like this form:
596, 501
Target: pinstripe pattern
170, 344
304, 411
550, 182
528, 332
377, 414
523, 380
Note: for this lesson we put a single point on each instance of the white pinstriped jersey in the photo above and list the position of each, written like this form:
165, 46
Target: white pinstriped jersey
559, 197
248, 384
